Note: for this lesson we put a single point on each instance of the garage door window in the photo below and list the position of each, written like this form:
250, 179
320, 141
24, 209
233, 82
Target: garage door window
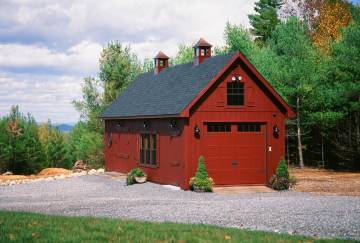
218, 127
148, 145
243, 127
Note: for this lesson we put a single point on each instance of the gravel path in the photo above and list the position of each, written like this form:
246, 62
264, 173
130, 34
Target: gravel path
100, 195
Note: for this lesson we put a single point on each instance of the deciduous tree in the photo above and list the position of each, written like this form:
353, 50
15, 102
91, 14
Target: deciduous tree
331, 18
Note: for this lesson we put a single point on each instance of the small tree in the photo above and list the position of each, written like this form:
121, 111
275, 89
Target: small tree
282, 169
201, 182
280, 181
201, 171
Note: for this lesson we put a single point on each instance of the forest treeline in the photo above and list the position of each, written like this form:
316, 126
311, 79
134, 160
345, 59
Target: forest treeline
309, 50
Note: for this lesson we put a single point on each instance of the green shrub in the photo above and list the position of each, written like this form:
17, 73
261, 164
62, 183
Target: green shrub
201, 181
136, 172
282, 169
205, 185
280, 181
201, 171
292, 180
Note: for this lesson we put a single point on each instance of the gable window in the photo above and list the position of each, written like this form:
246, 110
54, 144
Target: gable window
218, 127
148, 145
235, 93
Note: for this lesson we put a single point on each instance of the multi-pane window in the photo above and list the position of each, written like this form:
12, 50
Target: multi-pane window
148, 145
218, 127
248, 127
235, 93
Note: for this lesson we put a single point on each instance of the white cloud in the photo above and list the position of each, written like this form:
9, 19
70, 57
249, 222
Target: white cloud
46, 46
65, 23
81, 58
44, 96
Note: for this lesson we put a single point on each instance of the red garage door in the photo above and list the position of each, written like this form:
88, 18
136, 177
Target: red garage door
235, 153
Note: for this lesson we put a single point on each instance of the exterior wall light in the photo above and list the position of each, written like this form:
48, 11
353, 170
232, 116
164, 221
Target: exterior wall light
276, 131
146, 124
172, 124
236, 78
197, 130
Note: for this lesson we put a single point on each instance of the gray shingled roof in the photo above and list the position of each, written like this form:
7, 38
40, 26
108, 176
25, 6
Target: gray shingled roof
167, 93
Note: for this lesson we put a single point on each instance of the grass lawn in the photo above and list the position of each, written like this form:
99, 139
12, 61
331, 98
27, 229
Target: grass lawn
29, 227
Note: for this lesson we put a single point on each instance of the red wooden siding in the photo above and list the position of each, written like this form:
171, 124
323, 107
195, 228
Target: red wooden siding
251, 150
123, 154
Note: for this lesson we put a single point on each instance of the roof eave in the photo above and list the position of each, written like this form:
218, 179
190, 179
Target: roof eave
139, 117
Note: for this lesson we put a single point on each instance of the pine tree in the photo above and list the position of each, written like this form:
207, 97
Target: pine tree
282, 170
265, 19
201, 171
21, 150
56, 149
298, 70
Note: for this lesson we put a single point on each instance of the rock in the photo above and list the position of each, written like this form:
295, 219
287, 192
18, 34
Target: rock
171, 187
101, 170
12, 183
81, 173
79, 166
92, 172
7, 173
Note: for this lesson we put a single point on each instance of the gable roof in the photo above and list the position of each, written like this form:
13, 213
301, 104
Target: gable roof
172, 92
272, 92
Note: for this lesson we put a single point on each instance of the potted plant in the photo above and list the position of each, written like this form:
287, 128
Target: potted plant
136, 175
201, 182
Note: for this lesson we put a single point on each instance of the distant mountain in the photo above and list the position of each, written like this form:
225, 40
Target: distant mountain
64, 127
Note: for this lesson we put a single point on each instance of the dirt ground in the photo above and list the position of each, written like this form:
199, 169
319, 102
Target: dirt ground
326, 181
42, 174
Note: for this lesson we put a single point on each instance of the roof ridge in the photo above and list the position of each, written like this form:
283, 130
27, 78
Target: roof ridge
183, 64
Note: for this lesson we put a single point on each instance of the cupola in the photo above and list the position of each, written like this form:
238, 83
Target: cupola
202, 51
161, 62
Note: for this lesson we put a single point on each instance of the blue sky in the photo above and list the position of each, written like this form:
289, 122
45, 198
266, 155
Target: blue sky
47, 47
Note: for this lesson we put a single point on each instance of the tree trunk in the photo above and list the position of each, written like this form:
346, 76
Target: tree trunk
322, 151
357, 124
301, 159
287, 150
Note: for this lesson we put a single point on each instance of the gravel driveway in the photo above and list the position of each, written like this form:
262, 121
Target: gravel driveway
101, 195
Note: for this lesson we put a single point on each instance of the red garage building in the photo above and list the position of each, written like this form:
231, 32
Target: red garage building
219, 107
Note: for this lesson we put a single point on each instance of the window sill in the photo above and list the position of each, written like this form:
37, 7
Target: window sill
148, 166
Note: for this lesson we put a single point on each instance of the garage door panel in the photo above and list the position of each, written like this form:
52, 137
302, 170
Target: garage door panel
236, 157
236, 177
234, 164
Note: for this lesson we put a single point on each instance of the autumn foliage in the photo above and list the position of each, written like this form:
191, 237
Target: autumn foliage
332, 17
